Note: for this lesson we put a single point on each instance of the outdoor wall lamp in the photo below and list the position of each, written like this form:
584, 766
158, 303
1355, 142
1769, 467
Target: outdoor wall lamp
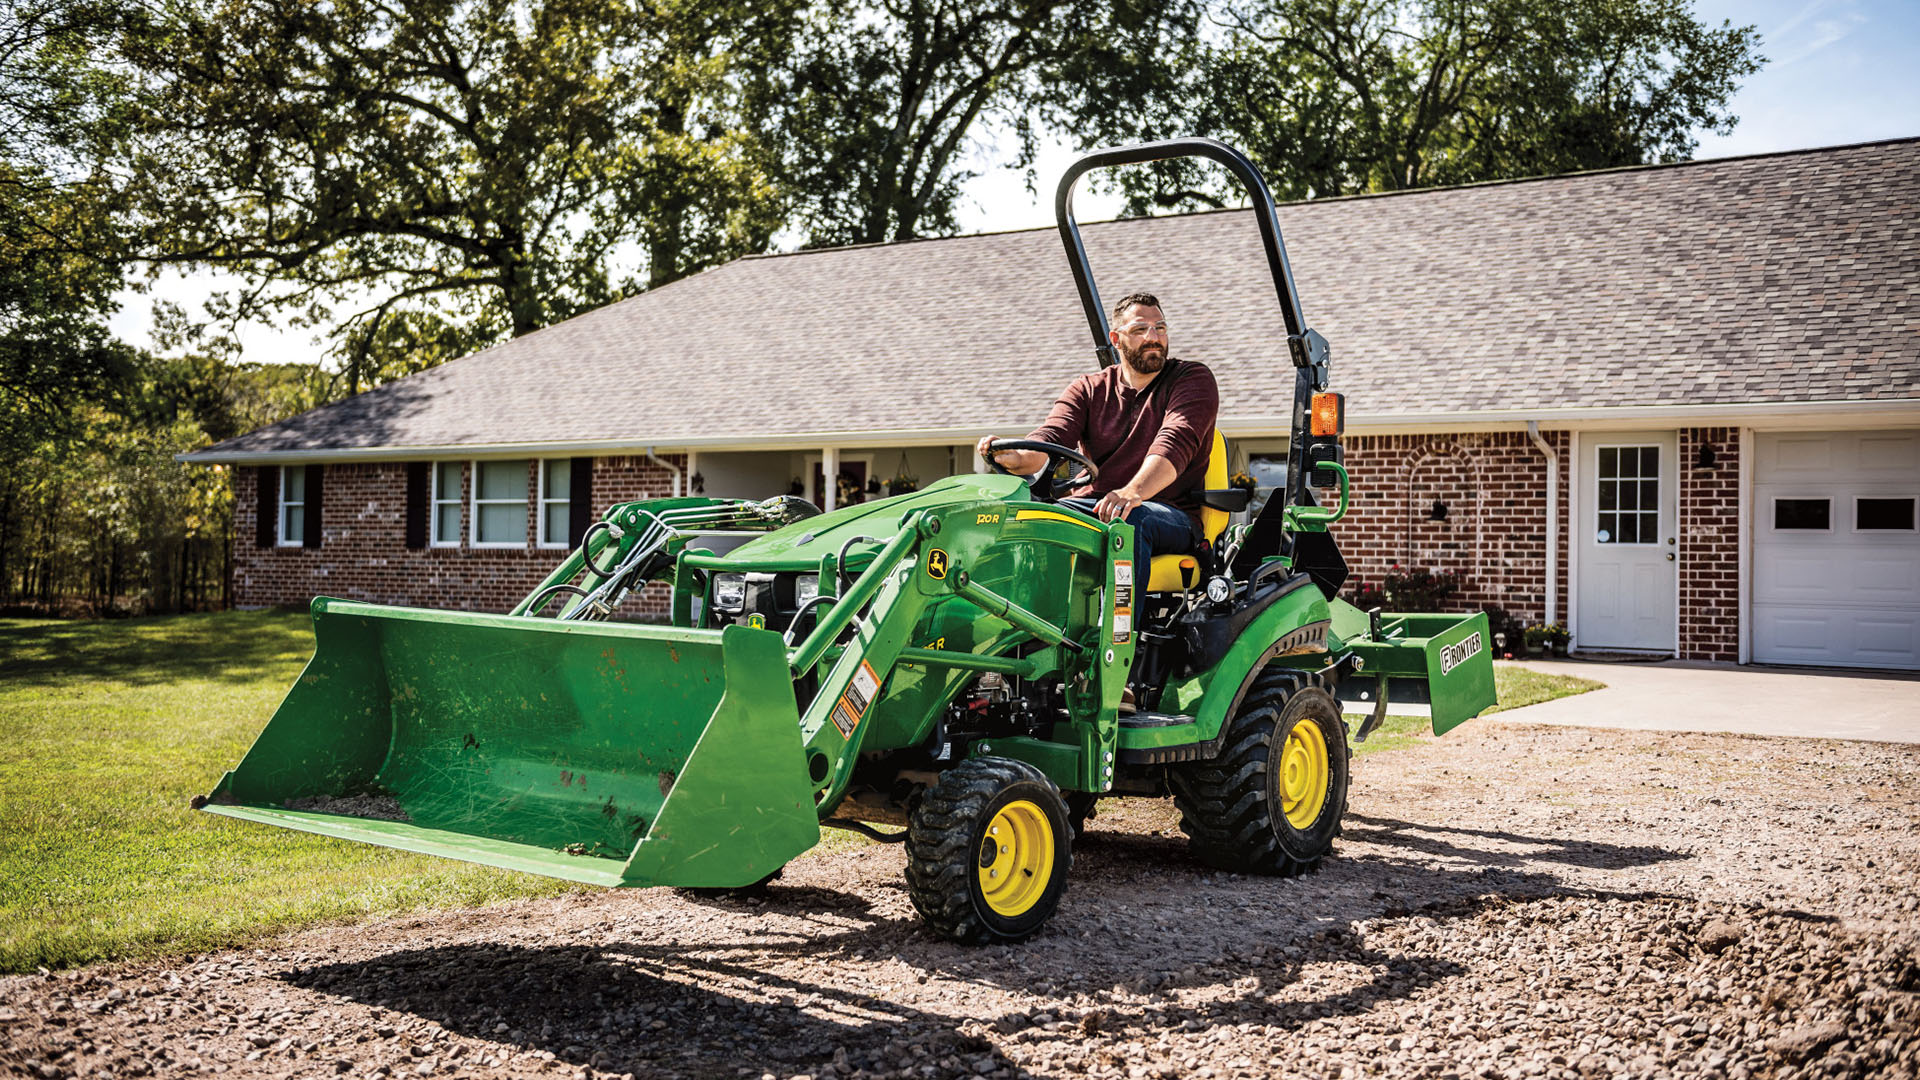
1706, 458
1439, 511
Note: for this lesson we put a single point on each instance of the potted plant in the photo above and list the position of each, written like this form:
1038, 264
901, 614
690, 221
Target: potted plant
1537, 639
1557, 636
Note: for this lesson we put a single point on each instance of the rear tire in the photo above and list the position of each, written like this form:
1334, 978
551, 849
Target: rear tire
1271, 802
988, 851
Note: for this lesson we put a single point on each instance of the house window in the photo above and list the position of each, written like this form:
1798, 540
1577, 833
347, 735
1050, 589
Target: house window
446, 504
1814, 515
556, 507
500, 503
293, 505
1629, 479
1876, 514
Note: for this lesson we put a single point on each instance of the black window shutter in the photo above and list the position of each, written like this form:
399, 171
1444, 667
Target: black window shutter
266, 521
417, 478
579, 499
315, 475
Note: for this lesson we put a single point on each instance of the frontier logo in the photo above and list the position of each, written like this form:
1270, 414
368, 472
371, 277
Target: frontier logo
1452, 656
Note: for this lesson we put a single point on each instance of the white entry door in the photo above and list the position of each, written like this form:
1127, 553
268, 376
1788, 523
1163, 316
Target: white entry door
1627, 542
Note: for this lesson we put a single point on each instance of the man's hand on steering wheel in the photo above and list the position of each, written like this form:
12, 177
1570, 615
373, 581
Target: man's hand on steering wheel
1042, 485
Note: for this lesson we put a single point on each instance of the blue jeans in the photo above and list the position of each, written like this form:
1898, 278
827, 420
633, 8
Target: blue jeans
1157, 527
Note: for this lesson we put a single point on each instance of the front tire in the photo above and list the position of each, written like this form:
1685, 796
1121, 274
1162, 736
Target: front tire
988, 851
1271, 802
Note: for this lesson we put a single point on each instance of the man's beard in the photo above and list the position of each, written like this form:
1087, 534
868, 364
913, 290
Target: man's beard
1147, 359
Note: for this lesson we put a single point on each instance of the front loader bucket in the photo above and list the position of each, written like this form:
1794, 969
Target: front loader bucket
606, 753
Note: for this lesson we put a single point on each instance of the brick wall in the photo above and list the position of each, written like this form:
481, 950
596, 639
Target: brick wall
1494, 535
1709, 545
363, 553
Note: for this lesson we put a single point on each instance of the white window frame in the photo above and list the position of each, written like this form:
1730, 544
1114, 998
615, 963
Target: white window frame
541, 502
1855, 524
1773, 514
280, 521
435, 500
474, 502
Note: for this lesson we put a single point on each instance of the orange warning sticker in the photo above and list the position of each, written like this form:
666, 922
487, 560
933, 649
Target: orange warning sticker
1122, 601
852, 706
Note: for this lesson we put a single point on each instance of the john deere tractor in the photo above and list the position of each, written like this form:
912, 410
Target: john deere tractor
944, 669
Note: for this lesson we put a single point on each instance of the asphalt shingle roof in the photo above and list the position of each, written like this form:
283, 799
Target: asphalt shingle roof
1773, 279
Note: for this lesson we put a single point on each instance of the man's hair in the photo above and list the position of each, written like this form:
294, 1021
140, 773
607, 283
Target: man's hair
1135, 300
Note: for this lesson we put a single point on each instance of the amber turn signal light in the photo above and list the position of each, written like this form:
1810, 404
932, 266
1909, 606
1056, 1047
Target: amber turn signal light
1329, 414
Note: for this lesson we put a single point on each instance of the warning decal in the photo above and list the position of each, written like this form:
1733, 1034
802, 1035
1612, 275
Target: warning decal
852, 706
1122, 601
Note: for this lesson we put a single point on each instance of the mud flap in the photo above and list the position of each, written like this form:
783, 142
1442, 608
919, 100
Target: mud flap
606, 753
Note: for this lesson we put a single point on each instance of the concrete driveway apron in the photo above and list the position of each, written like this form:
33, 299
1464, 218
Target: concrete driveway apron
1679, 695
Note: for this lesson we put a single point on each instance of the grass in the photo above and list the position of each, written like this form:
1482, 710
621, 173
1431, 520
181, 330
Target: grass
106, 730
1513, 687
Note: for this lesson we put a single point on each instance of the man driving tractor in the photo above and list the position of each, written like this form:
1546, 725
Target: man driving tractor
1147, 423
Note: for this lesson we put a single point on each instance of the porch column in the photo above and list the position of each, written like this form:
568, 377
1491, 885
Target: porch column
829, 476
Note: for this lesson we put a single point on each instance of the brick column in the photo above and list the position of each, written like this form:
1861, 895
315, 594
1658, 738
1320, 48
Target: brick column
1709, 549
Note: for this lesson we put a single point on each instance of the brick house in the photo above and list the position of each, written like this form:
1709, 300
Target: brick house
1675, 407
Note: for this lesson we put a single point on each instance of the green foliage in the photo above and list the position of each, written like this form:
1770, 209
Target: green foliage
1339, 97
107, 729
888, 102
429, 176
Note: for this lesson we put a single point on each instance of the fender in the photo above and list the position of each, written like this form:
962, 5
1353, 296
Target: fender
1292, 630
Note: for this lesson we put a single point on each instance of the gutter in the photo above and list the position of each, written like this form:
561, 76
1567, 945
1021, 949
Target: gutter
1553, 519
1812, 415
670, 467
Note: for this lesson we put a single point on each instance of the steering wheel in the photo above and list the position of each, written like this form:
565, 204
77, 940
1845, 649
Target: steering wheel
1042, 486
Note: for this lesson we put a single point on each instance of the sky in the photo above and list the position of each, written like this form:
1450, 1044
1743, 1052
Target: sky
1838, 72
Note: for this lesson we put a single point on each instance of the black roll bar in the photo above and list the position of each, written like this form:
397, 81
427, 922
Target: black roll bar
1307, 348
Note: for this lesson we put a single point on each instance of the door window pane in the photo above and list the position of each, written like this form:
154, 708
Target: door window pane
1628, 483
1815, 514
1894, 514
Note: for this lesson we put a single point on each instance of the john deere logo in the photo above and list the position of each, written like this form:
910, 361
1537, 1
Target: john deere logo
936, 563
757, 621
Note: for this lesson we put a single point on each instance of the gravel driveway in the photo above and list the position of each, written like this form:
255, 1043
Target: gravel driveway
1509, 901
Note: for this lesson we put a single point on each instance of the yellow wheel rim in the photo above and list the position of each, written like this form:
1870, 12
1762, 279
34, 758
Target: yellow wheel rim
1303, 774
1016, 858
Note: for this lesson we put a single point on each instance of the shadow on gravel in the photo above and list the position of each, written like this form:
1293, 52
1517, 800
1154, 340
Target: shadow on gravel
705, 1009
1426, 838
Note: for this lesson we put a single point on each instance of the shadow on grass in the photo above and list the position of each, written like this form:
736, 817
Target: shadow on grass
229, 646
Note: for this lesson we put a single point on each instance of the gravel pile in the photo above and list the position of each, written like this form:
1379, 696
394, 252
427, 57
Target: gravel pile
1509, 902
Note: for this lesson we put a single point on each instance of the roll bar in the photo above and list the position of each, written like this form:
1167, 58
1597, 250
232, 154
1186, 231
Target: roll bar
1307, 348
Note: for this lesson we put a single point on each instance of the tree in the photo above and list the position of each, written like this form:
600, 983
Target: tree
1336, 97
451, 170
887, 103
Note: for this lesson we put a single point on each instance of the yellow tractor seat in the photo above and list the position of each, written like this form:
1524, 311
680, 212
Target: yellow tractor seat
1178, 573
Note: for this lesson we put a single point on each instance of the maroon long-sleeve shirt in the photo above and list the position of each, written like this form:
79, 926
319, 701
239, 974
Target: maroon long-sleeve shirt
1118, 426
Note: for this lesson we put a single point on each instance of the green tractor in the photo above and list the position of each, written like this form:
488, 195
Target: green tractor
948, 669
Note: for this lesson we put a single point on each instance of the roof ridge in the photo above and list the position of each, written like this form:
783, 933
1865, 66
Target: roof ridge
1357, 196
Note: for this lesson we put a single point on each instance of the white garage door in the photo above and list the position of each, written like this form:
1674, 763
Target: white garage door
1836, 553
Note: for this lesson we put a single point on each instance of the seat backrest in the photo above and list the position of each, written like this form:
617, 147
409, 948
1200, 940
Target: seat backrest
1214, 522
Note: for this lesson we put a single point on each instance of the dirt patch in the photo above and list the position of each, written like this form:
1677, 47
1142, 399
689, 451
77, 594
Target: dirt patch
1508, 902
378, 807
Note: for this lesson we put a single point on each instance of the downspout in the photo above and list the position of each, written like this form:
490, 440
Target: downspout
669, 466
1553, 519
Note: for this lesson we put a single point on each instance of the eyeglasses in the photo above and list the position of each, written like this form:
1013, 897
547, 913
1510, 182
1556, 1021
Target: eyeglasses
1139, 328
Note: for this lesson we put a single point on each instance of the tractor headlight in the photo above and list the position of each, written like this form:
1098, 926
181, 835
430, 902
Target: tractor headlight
805, 588
730, 592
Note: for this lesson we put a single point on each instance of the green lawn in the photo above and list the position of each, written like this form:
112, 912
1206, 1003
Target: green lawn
1513, 687
108, 728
